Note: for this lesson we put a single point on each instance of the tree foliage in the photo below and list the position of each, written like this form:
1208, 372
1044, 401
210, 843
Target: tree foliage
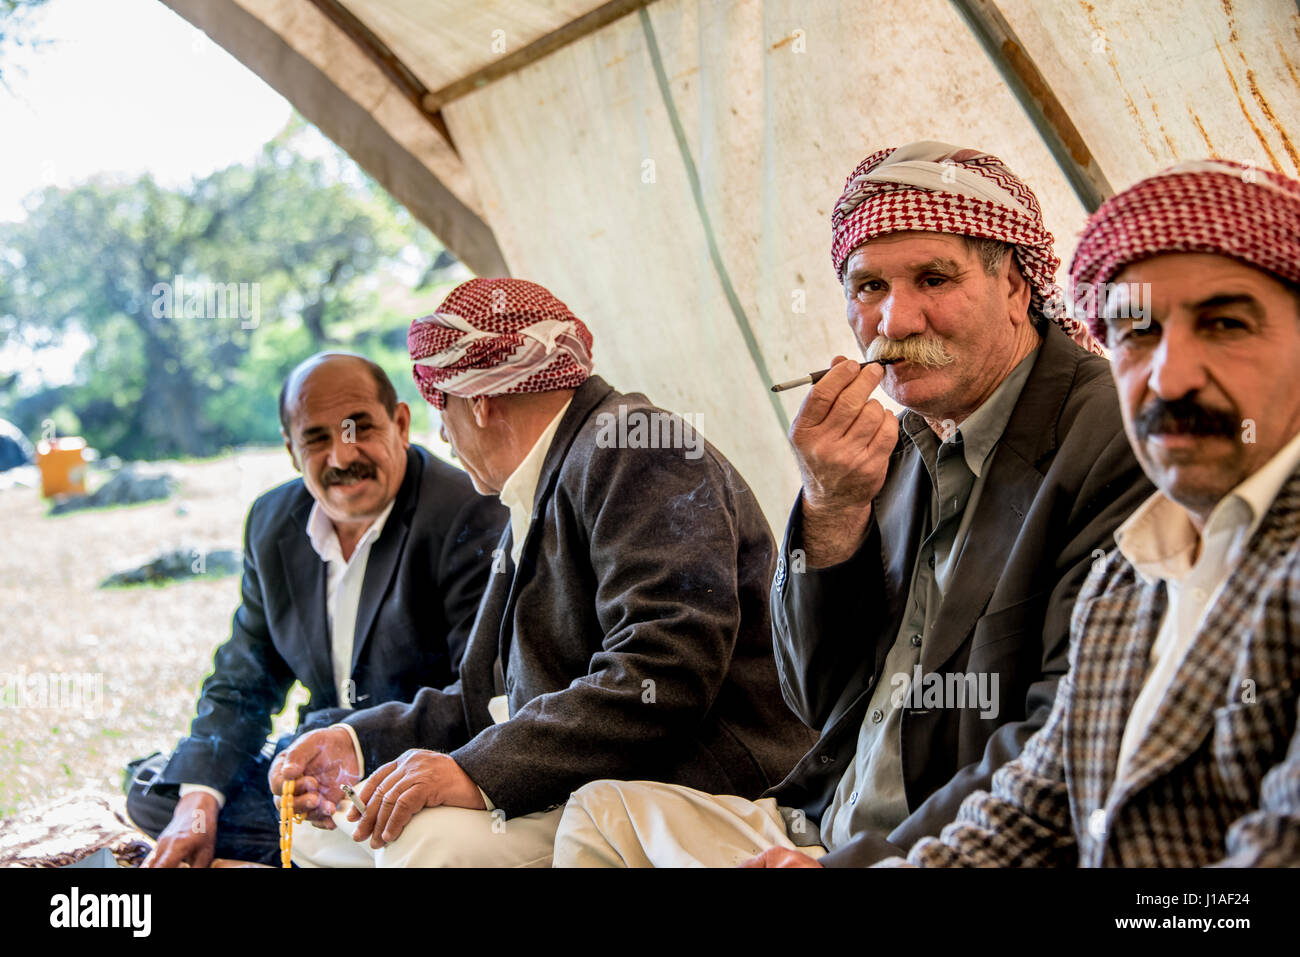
15, 27
325, 254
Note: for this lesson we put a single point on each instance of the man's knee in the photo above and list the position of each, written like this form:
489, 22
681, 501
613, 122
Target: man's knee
459, 837
149, 805
602, 822
619, 796
596, 793
579, 842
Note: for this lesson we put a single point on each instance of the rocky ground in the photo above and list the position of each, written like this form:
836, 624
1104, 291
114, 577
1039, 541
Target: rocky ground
92, 677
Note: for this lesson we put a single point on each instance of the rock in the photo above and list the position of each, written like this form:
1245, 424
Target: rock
179, 564
130, 485
15, 450
70, 830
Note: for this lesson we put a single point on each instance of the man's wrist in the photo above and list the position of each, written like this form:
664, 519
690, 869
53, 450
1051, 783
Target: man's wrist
832, 534
198, 801
189, 789
356, 747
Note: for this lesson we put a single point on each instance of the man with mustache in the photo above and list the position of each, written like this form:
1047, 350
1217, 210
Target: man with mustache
921, 604
361, 580
1175, 741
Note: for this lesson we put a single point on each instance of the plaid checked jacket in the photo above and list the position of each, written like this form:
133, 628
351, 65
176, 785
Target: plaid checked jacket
1217, 780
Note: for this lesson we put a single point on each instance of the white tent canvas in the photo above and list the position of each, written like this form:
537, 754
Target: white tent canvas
667, 168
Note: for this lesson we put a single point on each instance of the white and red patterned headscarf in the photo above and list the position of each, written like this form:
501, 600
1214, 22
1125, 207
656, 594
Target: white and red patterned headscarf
498, 336
1206, 206
939, 188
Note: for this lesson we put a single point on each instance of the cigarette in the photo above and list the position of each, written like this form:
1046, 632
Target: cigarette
356, 801
812, 378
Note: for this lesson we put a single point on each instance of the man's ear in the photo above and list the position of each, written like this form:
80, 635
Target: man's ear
1018, 290
481, 405
288, 447
402, 419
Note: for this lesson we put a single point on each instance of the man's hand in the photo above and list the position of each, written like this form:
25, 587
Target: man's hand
781, 857
319, 763
416, 780
842, 441
191, 837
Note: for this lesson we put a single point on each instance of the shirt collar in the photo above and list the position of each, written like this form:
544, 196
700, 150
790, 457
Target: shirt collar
1159, 539
1261, 488
519, 490
982, 429
325, 540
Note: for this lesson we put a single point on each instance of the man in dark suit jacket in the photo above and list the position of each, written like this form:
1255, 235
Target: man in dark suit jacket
361, 580
628, 635
922, 601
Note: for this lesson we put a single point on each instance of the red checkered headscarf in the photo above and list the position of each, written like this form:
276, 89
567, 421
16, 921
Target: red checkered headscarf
498, 336
1207, 206
938, 188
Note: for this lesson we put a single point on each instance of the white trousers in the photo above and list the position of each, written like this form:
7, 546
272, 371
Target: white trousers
435, 837
649, 824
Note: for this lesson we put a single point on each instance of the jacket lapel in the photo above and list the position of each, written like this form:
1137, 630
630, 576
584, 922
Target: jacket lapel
1011, 481
1116, 631
304, 579
1185, 713
384, 554
901, 521
1009, 489
480, 670
585, 398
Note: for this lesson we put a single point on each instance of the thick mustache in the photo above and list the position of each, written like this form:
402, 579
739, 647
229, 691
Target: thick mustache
354, 472
920, 349
1184, 417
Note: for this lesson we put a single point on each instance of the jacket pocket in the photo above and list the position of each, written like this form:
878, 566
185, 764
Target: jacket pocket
1250, 738
1017, 620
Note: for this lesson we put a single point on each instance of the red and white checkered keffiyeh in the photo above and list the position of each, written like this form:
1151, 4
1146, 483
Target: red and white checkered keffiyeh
939, 188
1206, 206
498, 336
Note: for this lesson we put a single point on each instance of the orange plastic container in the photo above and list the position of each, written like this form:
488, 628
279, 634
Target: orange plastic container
62, 462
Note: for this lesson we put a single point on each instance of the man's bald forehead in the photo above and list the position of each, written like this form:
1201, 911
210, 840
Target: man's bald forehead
298, 375
293, 383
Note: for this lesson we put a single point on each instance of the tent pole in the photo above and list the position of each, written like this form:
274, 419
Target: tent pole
1035, 96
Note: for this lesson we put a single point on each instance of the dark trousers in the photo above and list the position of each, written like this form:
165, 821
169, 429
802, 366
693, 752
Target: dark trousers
248, 828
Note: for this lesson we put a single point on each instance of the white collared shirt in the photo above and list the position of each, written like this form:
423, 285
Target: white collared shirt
519, 490
343, 580
1161, 543
517, 494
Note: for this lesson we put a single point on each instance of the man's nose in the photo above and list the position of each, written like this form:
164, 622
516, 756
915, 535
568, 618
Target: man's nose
343, 451
902, 314
1177, 365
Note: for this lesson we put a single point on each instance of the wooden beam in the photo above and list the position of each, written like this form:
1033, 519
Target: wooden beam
398, 73
315, 95
1046, 112
543, 46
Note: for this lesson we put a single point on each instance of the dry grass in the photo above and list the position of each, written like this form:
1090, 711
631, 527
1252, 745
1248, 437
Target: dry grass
146, 648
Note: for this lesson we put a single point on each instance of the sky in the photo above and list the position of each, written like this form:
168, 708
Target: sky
124, 87
119, 88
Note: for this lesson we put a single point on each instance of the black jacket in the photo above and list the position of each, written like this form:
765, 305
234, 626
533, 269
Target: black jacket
1059, 482
424, 578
